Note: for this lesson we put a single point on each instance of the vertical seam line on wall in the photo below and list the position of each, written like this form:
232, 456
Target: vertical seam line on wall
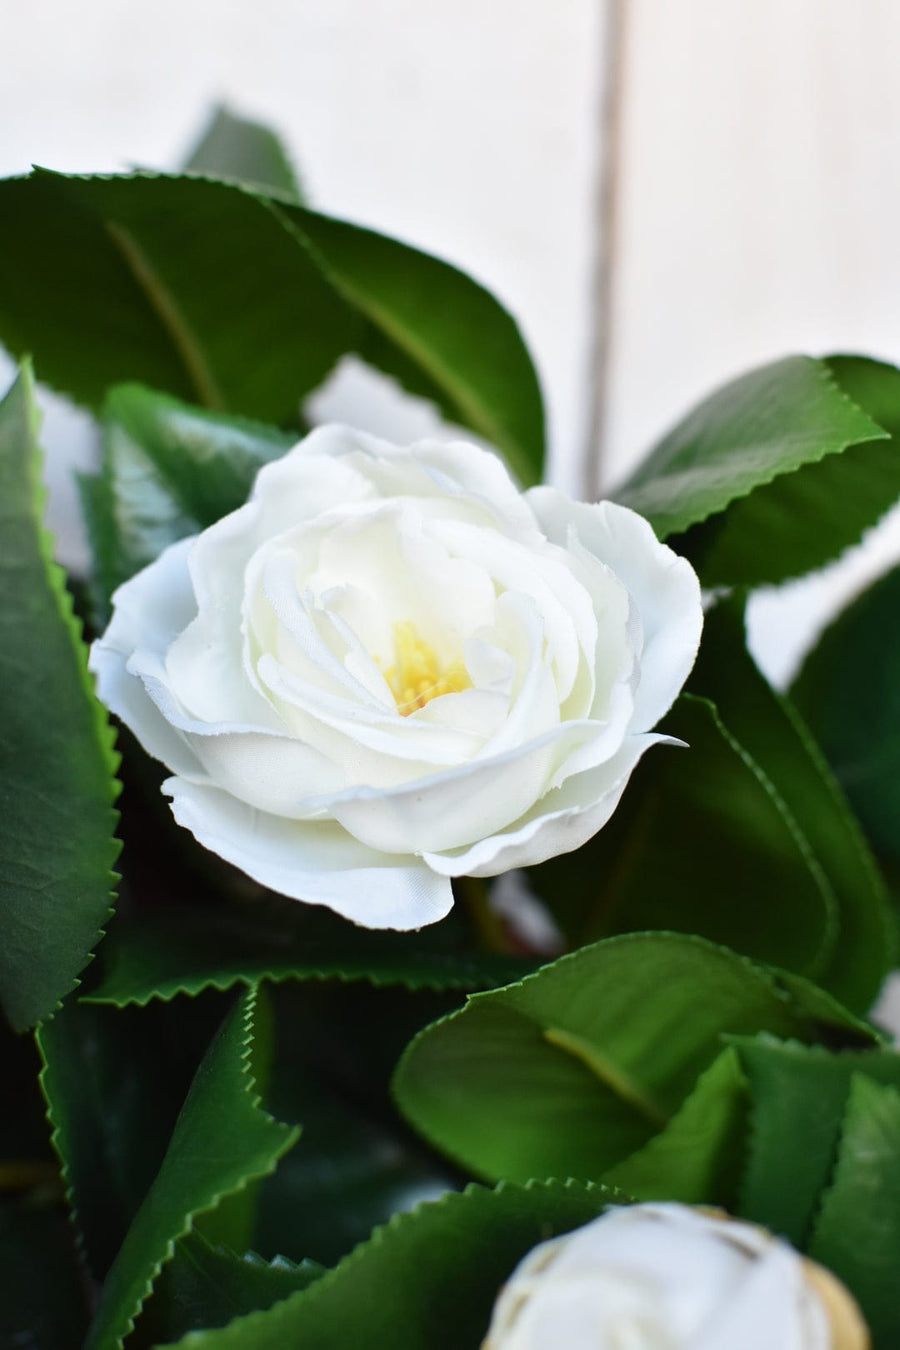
608, 176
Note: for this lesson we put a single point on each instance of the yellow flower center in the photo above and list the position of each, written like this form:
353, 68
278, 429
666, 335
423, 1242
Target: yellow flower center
415, 678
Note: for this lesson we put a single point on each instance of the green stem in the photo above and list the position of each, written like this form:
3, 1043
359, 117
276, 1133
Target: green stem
488, 926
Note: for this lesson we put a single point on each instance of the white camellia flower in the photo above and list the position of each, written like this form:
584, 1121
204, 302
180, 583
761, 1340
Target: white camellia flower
668, 1277
391, 668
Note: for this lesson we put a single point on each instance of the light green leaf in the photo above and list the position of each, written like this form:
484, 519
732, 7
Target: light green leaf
427, 1281
857, 1233
57, 764
697, 1157
773, 475
799, 1095
771, 729
237, 149
222, 1141
576, 1067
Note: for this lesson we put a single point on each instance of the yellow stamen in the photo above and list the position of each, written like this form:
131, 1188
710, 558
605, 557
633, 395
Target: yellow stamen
416, 678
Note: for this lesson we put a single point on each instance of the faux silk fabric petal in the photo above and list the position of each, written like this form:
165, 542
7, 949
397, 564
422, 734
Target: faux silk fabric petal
312, 861
149, 612
664, 586
390, 668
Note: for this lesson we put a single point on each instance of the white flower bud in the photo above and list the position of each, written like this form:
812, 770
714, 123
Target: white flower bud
668, 1277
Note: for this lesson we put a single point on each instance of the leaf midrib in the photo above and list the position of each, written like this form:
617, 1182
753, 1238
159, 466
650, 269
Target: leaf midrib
165, 307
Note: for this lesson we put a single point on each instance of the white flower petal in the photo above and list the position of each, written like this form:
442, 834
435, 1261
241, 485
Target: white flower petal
149, 611
664, 587
563, 820
299, 667
314, 862
450, 809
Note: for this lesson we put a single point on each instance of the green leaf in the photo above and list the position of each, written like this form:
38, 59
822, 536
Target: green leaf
849, 692
773, 475
357, 1163
240, 150
243, 302
702, 843
169, 470
205, 1286
771, 729
857, 1234
57, 765
454, 333
42, 1300
182, 951
799, 1094
576, 1067
114, 1083
697, 1157
190, 286
222, 1141
427, 1281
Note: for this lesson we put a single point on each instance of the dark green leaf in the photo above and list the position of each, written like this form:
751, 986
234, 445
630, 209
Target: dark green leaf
25, 1152
169, 470
849, 692
185, 950
773, 475
57, 765
222, 1141
427, 1281
238, 149
42, 1301
771, 729
244, 302
697, 1157
189, 286
702, 843
799, 1094
357, 1163
573, 1069
114, 1083
205, 1286
457, 336
857, 1233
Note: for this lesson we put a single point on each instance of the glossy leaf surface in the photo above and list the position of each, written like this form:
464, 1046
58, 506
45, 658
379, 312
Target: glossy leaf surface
57, 764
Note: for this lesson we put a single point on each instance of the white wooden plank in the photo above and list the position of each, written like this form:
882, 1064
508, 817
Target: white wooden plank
758, 210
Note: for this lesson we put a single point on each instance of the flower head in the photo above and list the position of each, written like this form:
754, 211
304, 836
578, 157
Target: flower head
668, 1277
390, 668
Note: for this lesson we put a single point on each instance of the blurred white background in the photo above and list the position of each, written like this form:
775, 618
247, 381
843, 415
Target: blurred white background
664, 192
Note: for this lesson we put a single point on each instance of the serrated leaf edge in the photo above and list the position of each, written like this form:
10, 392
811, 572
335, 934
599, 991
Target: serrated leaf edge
382, 1233
828, 378
291, 1134
55, 576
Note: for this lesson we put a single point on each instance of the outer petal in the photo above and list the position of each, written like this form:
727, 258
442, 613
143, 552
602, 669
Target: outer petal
448, 810
433, 468
664, 587
149, 612
561, 821
317, 863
